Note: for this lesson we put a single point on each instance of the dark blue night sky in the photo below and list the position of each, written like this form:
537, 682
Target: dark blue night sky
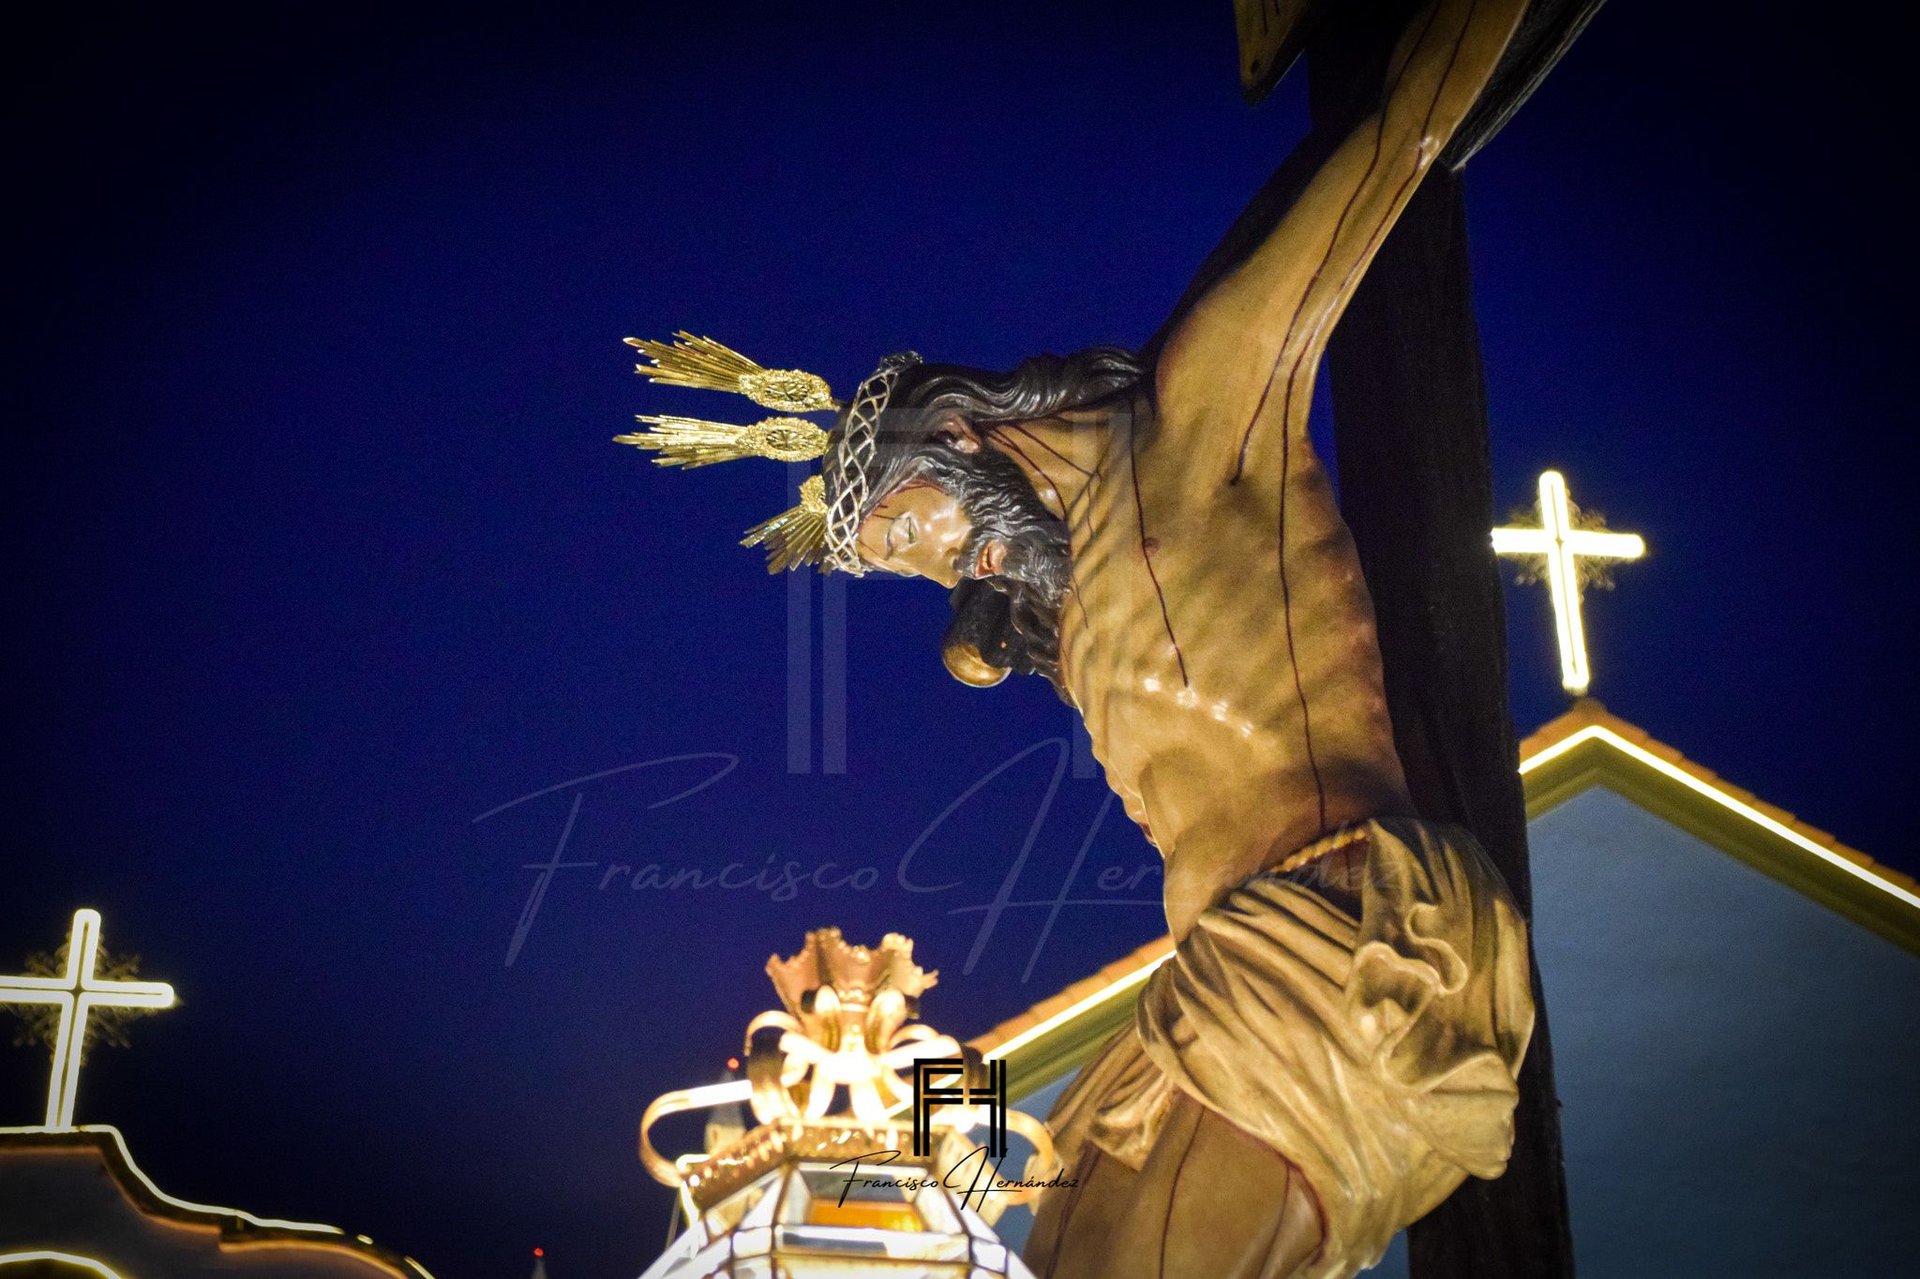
320, 550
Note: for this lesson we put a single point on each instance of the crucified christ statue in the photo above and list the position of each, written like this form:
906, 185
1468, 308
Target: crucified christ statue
1332, 1047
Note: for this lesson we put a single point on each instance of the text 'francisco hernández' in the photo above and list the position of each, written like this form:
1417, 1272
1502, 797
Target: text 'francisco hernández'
984, 1180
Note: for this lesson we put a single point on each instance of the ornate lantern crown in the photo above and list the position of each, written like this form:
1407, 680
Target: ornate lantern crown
815, 1186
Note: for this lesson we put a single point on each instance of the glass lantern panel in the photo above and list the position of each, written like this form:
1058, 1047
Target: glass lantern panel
754, 1241
689, 1257
738, 1209
754, 1268
855, 1268
857, 1242
938, 1210
977, 1225
876, 1199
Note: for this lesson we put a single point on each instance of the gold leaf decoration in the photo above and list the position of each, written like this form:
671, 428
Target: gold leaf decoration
692, 441
798, 535
709, 365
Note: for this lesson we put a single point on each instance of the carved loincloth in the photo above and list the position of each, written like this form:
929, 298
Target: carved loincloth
1377, 1057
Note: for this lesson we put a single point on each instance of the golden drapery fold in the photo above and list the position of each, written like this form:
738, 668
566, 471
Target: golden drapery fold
1377, 1056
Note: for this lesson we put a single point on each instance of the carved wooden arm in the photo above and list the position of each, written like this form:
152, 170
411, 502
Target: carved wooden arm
1243, 359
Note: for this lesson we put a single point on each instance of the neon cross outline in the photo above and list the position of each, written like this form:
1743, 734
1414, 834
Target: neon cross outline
78, 992
1561, 544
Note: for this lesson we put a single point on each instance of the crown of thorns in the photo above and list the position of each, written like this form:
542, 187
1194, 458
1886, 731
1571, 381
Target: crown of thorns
821, 529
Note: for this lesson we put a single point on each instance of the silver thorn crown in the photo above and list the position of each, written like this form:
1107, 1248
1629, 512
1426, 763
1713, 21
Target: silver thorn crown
848, 464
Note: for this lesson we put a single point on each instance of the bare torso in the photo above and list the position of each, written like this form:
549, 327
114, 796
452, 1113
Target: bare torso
1232, 694
1219, 642
1219, 639
1217, 636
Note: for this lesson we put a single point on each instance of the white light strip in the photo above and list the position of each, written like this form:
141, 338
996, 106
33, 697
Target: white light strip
77, 992
275, 1223
1595, 732
1612, 546
100, 1268
1562, 545
1563, 582
1520, 541
119, 1139
271, 1223
1073, 1010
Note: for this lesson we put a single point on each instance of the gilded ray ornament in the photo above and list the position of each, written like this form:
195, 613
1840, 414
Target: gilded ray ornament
692, 441
709, 365
798, 535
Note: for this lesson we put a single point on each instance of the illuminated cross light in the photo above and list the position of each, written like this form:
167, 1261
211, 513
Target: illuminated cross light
77, 992
1562, 546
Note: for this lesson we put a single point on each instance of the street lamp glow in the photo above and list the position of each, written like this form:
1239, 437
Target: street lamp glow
77, 992
1562, 546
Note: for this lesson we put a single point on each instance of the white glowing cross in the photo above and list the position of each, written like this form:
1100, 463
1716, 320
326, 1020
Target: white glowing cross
78, 992
1562, 545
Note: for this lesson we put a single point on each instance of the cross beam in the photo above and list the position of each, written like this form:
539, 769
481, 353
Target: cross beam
77, 992
1563, 547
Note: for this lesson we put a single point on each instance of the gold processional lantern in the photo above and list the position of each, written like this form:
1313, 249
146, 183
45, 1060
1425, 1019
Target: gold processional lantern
809, 1191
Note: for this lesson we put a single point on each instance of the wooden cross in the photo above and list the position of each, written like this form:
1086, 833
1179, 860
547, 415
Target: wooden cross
77, 992
1410, 429
1563, 546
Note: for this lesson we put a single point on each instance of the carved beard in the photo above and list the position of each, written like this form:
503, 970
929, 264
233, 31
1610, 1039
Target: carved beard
1013, 618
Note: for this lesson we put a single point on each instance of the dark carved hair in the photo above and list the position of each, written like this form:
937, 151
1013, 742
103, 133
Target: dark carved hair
1036, 388
1012, 621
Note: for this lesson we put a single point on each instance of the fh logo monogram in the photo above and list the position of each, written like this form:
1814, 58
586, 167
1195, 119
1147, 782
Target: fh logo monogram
982, 1083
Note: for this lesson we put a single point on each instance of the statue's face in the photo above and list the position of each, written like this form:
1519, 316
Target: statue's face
921, 530
968, 511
